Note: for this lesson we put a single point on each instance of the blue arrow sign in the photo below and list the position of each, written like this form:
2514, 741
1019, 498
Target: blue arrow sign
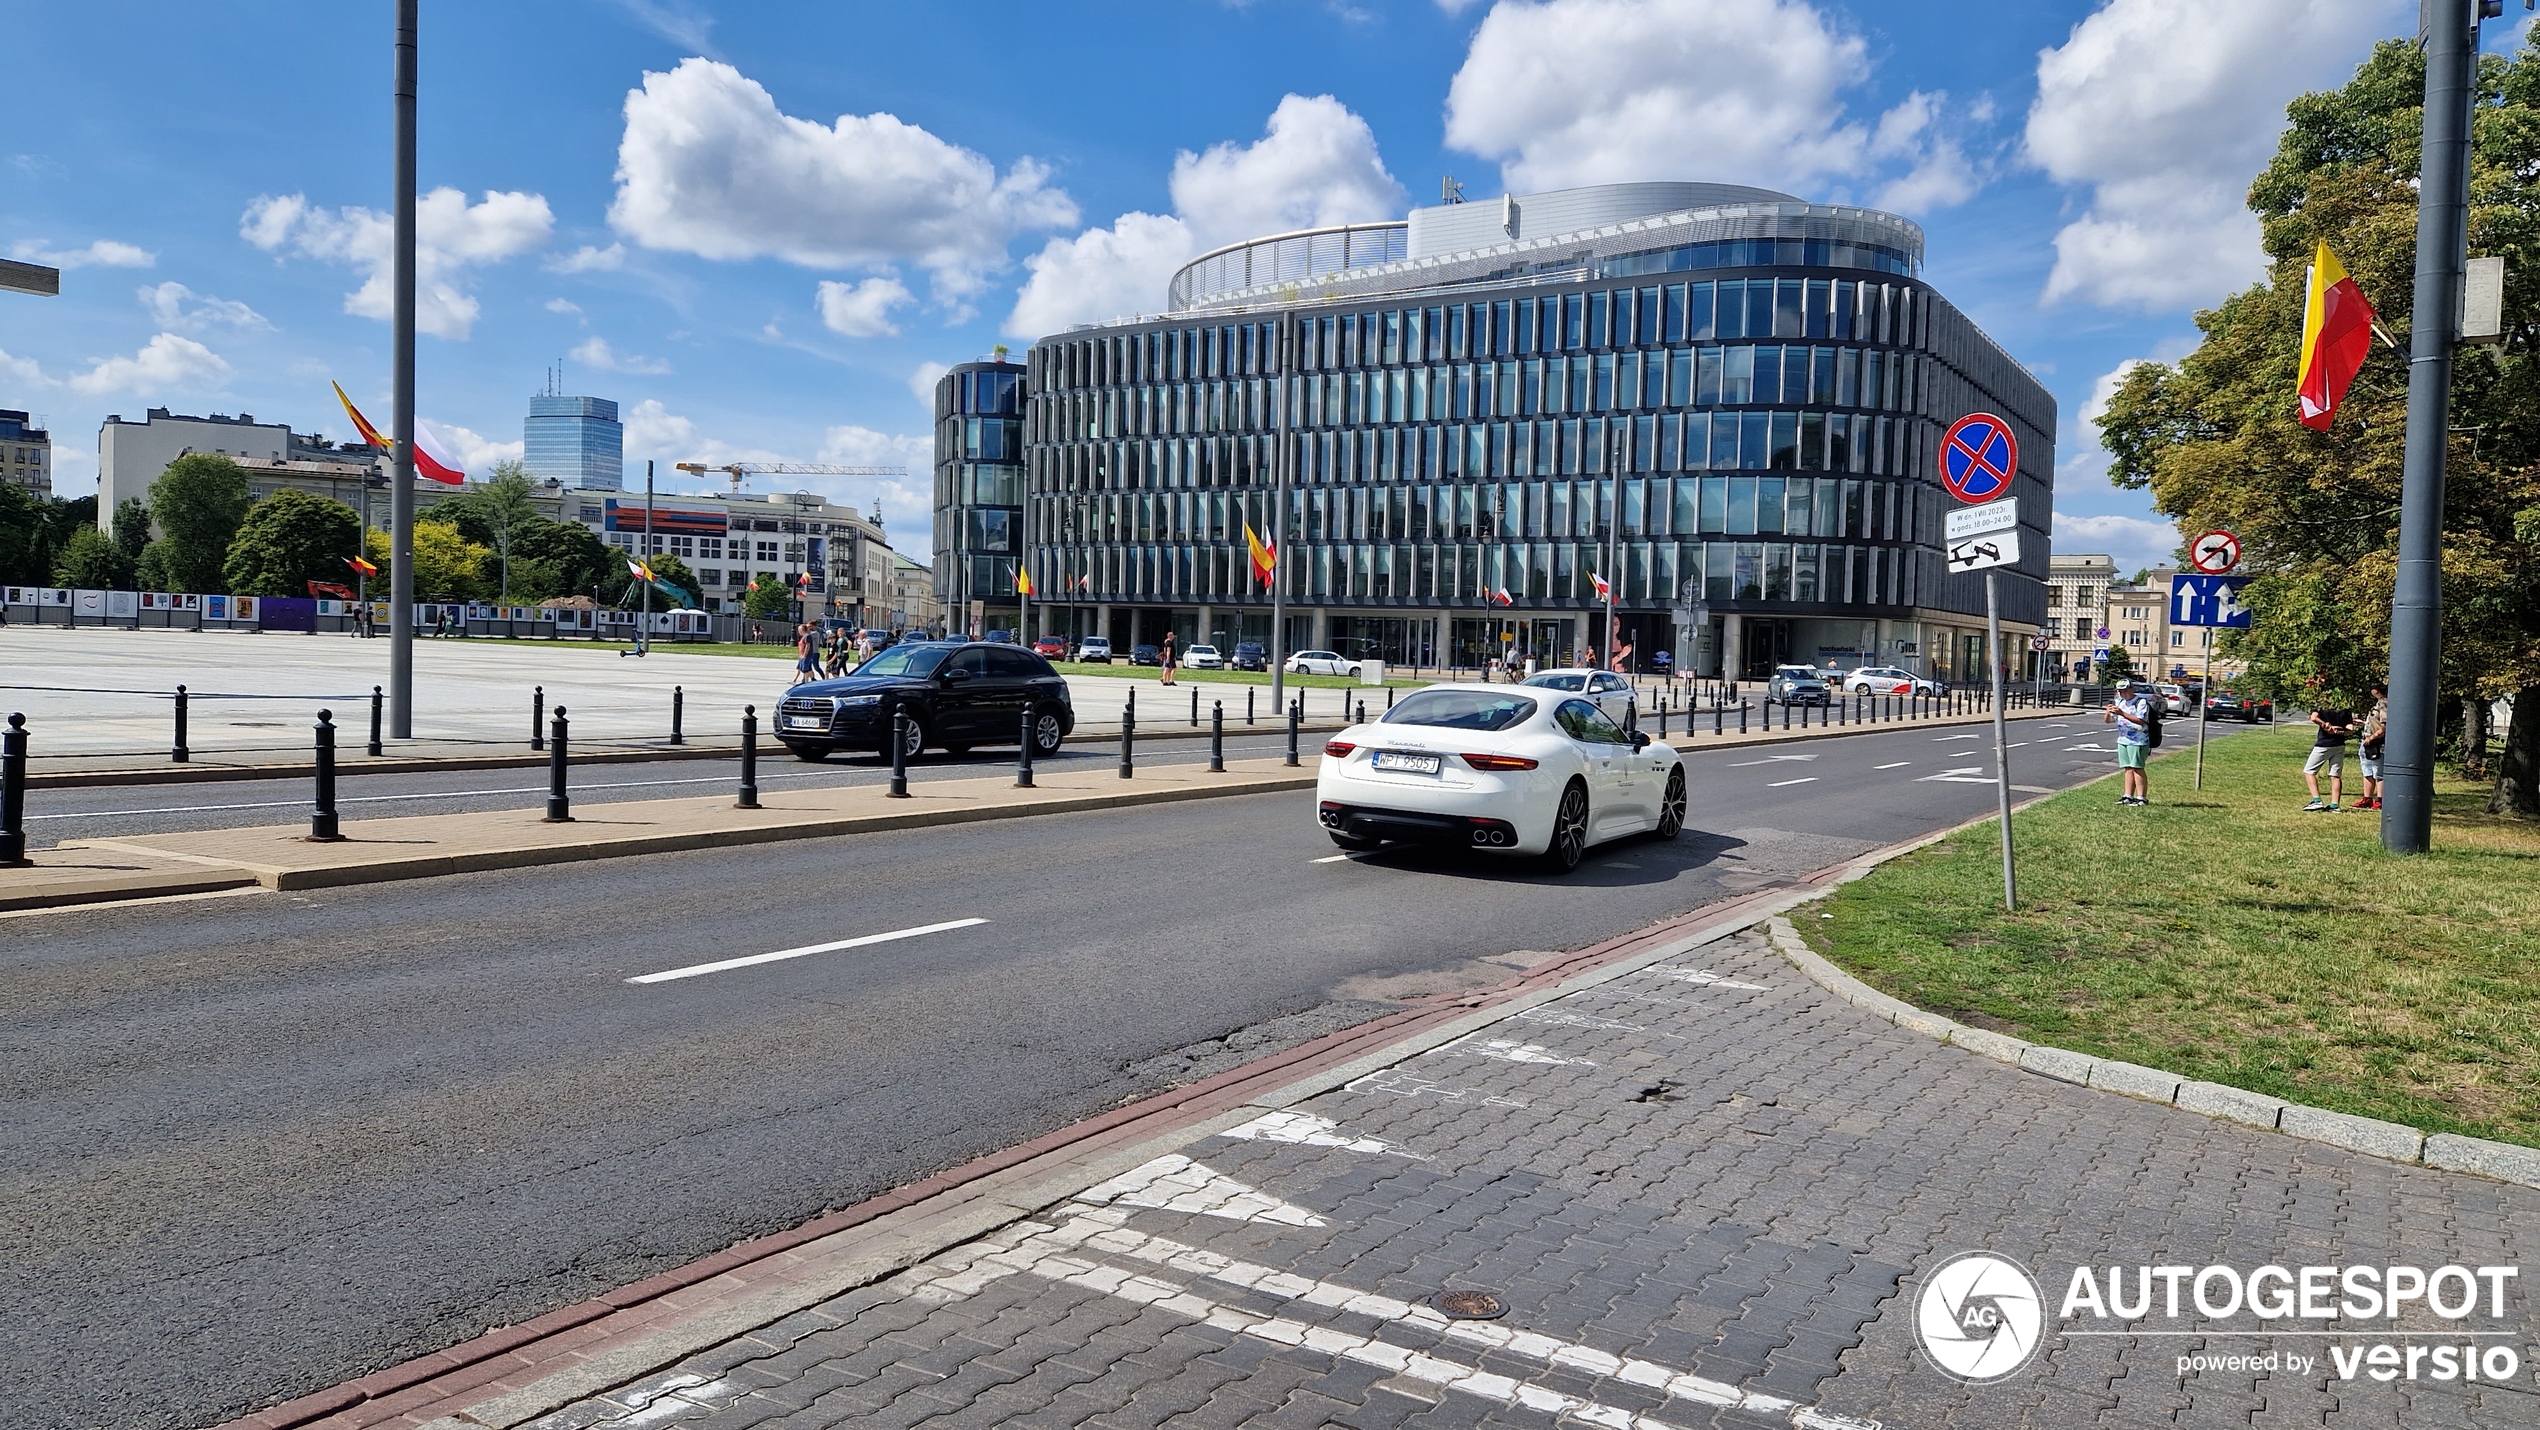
2208, 601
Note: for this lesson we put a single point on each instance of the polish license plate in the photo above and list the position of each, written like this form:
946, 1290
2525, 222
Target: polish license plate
805, 722
1407, 763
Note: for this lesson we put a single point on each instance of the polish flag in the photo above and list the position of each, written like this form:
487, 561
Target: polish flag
1603, 591
432, 459
1501, 597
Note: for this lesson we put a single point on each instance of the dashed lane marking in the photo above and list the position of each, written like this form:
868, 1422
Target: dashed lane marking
695, 969
1332, 859
1900, 764
1777, 784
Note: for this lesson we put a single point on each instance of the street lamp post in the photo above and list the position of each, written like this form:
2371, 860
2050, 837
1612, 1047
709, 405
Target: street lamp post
401, 479
1286, 390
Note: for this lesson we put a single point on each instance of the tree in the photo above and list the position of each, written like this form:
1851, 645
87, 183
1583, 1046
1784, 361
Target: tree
493, 515
198, 503
132, 528
572, 555
35, 531
2118, 667
91, 562
768, 600
448, 566
676, 572
289, 540
2217, 441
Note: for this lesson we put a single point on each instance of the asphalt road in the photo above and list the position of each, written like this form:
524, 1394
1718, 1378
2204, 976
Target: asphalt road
259, 1144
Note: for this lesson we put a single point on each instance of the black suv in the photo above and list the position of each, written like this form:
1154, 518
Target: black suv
957, 695
1250, 656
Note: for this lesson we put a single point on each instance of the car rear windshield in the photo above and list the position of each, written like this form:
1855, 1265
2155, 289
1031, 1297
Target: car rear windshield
1462, 710
1558, 682
1798, 672
905, 660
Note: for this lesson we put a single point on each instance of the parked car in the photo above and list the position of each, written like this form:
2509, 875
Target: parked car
1095, 650
878, 639
1203, 657
1050, 647
1145, 655
956, 695
1000, 638
1322, 662
1501, 770
1887, 680
1797, 685
1609, 692
1251, 655
2232, 705
2174, 699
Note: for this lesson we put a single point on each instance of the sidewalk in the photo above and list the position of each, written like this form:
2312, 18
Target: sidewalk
1675, 1182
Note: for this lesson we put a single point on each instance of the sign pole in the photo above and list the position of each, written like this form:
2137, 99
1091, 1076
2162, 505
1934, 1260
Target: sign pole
2204, 708
2001, 739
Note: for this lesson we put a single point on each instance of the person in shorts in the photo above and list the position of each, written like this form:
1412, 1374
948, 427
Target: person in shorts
806, 654
2376, 732
2336, 726
2131, 712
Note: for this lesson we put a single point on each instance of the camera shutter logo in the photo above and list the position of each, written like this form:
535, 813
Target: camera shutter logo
1979, 1317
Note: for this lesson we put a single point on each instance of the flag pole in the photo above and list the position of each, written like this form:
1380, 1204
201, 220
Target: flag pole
1279, 531
401, 480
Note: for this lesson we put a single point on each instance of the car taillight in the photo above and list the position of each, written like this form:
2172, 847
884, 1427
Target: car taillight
1338, 748
1498, 762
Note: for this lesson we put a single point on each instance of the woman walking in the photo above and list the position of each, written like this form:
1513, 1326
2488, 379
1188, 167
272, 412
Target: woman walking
1166, 658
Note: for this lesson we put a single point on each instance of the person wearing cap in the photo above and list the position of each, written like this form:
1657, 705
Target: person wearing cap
2132, 713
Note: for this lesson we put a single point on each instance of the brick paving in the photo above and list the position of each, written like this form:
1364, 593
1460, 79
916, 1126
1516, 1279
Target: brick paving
1706, 1193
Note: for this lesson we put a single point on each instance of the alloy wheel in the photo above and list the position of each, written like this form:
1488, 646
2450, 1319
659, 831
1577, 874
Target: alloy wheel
1569, 829
1046, 735
1671, 810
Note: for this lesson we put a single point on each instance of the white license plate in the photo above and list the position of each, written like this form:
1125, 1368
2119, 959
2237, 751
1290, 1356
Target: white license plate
1408, 764
805, 722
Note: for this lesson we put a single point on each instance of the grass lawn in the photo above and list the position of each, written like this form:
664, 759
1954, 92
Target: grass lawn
2224, 935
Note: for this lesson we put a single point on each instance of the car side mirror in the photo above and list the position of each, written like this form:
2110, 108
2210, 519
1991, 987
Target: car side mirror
955, 677
1640, 741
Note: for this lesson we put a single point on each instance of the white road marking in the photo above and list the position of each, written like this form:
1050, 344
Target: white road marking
1511, 1051
1410, 1084
694, 969
1777, 784
1706, 978
1175, 1183
1900, 764
1768, 759
1969, 735
1303, 1129
2076, 749
1331, 859
2016, 744
1969, 775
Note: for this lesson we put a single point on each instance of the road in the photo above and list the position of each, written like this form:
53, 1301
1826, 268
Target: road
263, 1143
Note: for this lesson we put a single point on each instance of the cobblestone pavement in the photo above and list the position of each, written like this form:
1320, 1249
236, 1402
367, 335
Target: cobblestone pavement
1705, 1193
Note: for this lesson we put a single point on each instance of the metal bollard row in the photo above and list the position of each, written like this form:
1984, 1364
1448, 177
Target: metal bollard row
748, 796
559, 803
13, 792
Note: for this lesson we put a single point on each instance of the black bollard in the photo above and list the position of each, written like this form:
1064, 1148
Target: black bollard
678, 707
1716, 716
1128, 739
1662, 719
749, 759
1388, 697
1741, 717
1362, 711
1194, 707
1296, 712
538, 717
375, 699
1217, 738
322, 828
559, 804
13, 792
1249, 692
1023, 761
178, 752
899, 753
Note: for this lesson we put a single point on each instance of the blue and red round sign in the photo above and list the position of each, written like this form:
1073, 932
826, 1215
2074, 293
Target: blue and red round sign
1978, 454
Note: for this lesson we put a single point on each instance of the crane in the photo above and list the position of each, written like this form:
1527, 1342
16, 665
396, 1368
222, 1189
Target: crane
741, 472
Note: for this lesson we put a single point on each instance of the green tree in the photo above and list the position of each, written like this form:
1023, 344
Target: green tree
198, 503
676, 572
448, 566
580, 563
2216, 437
91, 562
290, 539
35, 531
492, 516
150, 573
2119, 666
132, 528
769, 600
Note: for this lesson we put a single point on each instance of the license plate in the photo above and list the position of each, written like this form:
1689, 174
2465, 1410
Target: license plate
805, 722
1408, 764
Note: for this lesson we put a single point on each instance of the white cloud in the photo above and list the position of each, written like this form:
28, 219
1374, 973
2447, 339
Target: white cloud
564, 305
908, 502
1316, 163
2135, 542
863, 310
678, 23
104, 253
176, 306
476, 453
596, 353
451, 235
25, 370
922, 380
166, 361
708, 165
2164, 109
1942, 175
654, 431
587, 259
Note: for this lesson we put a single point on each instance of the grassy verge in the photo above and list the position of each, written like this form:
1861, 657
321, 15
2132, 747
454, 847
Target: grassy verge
2224, 935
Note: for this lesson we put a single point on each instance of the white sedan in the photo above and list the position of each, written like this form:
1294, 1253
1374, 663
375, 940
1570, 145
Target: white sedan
1609, 692
1886, 680
1322, 662
1203, 657
1501, 769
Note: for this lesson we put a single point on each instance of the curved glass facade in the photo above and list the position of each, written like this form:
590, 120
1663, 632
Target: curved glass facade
979, 492
1754, 446
1286, 258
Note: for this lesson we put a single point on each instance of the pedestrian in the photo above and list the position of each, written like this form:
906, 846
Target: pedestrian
1165, 658
2376, 731
2132, 714
2336, 724
806, 653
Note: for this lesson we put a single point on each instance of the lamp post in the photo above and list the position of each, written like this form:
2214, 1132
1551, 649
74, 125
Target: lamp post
1286, 390
401, 478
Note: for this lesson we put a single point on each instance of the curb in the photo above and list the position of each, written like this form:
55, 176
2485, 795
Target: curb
2504, 1161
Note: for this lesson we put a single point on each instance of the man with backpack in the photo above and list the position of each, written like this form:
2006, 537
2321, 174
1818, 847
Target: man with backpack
2136, 714
2337, 725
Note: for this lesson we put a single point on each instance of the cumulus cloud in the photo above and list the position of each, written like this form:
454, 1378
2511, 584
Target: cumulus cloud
476, 453
2163, 109
907, 503
680, 24
654, 431
587, 259
166, 361
564, 305
708, 165
1316, 163
922, 380
863, 310
178, 307
595, 353
104, 253
451, 236
2135, 542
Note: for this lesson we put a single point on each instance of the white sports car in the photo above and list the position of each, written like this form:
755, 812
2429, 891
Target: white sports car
1498, 768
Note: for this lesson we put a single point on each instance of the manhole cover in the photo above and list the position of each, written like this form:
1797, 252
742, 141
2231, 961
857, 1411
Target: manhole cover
1469, 1305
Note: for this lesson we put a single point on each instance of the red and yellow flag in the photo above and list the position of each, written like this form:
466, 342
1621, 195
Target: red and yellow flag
1022, 581
1265, 558
362, 565
2336, 336
430, 461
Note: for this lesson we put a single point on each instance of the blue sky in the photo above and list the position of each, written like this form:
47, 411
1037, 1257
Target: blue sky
760, 227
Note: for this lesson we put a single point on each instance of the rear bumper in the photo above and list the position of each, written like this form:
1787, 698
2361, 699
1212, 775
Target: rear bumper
1410, 826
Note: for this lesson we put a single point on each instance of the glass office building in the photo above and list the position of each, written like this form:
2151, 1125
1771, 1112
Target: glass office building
1735, 393
979, 494
576, 440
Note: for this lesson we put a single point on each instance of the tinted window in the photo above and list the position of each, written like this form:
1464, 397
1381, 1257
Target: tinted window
1610, 682
1007, 663
909, 660
1587, 724
1558, 682
1462, 710
970, 661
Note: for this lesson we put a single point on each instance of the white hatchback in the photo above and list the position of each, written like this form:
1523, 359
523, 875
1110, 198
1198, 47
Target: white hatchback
1322, 662
1500, 769
1203, 657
